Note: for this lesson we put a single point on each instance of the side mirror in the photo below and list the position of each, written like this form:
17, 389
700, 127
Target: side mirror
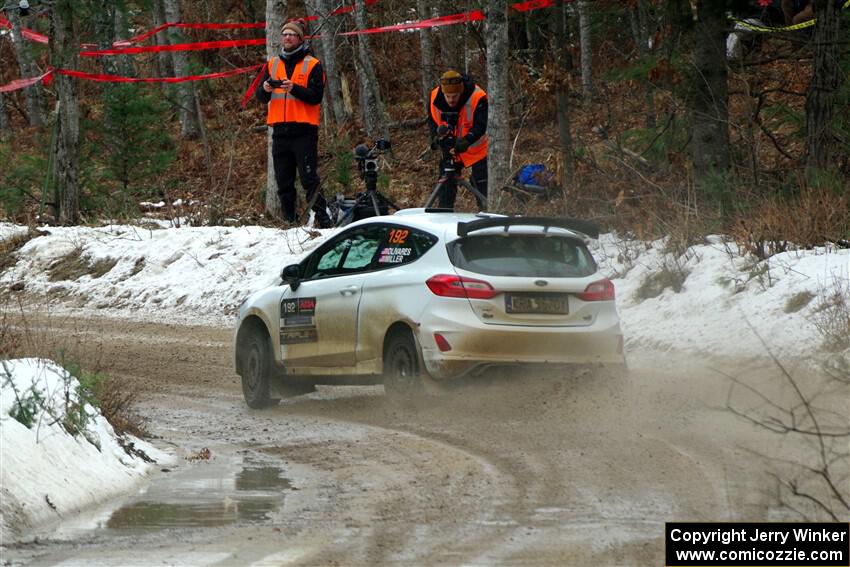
292, 275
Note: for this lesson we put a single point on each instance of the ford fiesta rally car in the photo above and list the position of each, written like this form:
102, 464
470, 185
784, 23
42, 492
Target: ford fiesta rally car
425, 295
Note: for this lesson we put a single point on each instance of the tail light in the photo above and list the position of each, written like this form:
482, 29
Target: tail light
446, 285
603, 290
442, 343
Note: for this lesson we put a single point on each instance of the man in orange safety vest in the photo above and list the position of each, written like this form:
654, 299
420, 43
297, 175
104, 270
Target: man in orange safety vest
465, 102
293, 86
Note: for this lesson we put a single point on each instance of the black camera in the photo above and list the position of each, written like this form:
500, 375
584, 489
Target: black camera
367, 158
275, 83
450, 118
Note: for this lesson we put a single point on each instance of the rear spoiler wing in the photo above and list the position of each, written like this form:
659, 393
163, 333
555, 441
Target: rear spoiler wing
586, 228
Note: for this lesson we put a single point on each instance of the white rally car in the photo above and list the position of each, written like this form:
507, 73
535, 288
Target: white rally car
428, 295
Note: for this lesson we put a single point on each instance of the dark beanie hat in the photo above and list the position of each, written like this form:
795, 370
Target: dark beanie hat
295, 26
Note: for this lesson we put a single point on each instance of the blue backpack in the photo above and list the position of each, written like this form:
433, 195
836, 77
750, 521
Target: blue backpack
533, 174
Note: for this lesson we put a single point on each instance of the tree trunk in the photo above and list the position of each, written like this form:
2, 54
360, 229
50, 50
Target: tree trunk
33, 94
426, 48
374, 112
826, 81
5, 127
333, 92
275, 16
587, 90
121, 33
105, 33
639, 17
166, 65
64, 47
451, 41
709, 98
564, 66
498, 123
186, 96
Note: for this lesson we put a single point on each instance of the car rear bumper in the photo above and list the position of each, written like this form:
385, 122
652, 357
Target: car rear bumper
475, 344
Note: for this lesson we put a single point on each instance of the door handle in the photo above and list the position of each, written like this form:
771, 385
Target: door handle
350, 290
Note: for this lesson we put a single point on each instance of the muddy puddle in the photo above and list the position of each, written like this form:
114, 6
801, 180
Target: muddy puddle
204, 497
219, 492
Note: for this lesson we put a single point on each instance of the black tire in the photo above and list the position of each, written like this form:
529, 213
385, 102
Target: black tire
402, 375
257, 372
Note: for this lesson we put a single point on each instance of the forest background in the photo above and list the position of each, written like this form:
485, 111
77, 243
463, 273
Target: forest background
641, 120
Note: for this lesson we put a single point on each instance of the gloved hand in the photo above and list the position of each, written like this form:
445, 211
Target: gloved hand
461, 145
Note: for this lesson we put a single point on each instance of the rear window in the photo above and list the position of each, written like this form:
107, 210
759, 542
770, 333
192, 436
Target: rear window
522, 255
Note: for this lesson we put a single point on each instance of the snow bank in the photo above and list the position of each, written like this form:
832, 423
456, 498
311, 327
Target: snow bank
46, 473
203, 271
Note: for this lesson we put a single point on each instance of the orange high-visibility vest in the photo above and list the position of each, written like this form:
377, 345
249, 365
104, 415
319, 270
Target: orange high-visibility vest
478, 150
284, 107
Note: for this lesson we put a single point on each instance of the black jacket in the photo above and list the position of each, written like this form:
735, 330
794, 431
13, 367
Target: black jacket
311, 94
479, 117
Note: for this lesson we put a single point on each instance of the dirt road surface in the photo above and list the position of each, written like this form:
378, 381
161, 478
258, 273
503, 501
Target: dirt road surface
526, 470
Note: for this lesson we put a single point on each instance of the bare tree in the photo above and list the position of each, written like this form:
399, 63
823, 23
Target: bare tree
26, 63
166, 65
709, 97
815, 484
111, 25
105, 32
275, 17
121, 32
639, 16
498, 123
563, 66
64, 49
190, 127
827, 77
373, 109
426, 49
327, 56
5, 124
5, 127
452, 50
584, 34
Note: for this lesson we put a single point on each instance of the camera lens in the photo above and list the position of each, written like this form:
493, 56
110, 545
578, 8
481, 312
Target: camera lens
371, 165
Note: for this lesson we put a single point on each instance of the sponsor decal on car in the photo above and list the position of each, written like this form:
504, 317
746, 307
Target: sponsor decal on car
394, 255
298, 321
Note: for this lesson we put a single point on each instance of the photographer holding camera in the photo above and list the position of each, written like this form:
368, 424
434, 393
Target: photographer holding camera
293, 86
458, 117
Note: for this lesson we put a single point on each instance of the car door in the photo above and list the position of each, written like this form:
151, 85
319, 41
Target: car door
318, 321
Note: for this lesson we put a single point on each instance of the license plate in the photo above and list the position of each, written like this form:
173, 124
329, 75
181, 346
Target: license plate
551, 304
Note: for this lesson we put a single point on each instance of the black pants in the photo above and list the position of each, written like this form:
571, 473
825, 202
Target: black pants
479, 181
299, 153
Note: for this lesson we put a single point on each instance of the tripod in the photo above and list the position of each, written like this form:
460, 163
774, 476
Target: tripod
370, 198
449, 169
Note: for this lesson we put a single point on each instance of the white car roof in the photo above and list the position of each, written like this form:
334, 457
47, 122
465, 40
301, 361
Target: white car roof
445, 223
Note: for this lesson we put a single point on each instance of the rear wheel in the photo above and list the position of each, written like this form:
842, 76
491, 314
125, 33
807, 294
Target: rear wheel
257, 372
402, 375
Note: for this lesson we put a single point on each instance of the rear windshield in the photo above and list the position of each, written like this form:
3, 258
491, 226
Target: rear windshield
522, 255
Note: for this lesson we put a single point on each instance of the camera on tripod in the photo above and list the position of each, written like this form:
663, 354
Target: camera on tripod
446, 133
369, 203
367, 158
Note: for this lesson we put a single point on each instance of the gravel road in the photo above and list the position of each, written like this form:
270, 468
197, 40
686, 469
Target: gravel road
562, 469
